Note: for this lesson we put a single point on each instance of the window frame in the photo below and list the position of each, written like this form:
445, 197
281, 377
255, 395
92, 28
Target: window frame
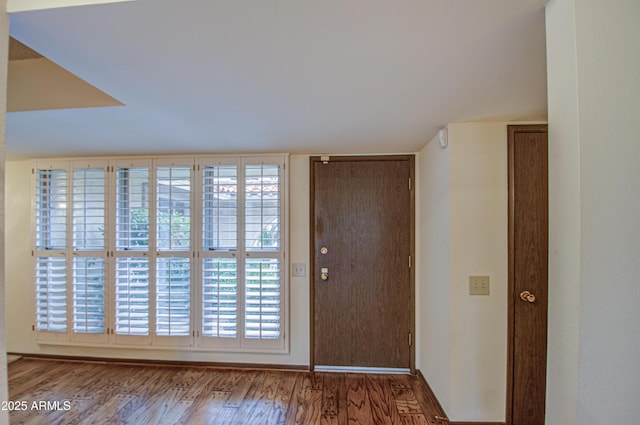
196, 254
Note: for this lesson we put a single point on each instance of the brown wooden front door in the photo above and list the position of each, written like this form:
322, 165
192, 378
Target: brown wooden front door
362, 239
528, 259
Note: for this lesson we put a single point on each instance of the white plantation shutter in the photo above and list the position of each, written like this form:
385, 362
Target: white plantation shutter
262, 207
173, 297
165, 252
262, 298
88, 295
219, 264
220, 207
132, 240
132, 208
89, 254
51, 294
51, 209
132, 296
51, 191
220, 297
173, 208
173, 256
262, 289
88, 209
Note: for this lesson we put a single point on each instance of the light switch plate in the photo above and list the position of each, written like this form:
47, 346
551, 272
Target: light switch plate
298, 269
479, 285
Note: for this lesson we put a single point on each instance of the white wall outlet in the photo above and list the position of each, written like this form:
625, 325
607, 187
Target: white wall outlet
298, 269
479, 285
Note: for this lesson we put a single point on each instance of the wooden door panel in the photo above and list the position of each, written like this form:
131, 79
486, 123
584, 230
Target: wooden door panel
529, 272
362, 216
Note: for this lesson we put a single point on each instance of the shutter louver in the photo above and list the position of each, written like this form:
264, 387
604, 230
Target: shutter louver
88, 209
51, 209
88, 295
51, 294
132, 209
132, 296
173, 297
219, 297
262, 207
262, 298
219, 208
173, 208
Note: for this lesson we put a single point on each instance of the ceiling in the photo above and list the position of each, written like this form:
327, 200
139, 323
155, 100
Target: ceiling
237, 76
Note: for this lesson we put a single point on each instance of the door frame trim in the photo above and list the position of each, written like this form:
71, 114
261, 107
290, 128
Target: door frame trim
512, 130
412, 280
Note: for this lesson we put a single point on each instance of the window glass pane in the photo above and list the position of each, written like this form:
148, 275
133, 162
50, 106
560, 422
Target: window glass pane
88, 208
173, 208
262, 298
51, 209
132, 208
219, 207
88, 295
51, 294
219, 297
262, 207
132, 296
173, 289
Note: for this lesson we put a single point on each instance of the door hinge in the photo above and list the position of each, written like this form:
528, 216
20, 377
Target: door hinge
409, 184
410, 339
410, 262
33, 328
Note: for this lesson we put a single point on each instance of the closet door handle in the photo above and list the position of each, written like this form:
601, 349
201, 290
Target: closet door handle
527, 296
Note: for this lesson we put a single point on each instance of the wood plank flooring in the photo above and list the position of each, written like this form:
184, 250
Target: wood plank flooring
52, 392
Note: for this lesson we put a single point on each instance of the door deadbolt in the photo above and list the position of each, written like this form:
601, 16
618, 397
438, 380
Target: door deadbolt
324, 273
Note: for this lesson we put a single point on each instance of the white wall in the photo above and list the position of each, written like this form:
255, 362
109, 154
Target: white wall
19, 282
433, 270
462, 231
609, 109
564, 215
478, 247
605, 138
4, 47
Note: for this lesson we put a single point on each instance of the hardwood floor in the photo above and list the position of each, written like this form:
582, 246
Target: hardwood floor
68, 392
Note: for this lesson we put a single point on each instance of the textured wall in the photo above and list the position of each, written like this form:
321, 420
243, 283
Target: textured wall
594, 104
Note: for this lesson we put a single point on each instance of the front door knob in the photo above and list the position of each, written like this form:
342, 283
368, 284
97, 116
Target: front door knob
527, 296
